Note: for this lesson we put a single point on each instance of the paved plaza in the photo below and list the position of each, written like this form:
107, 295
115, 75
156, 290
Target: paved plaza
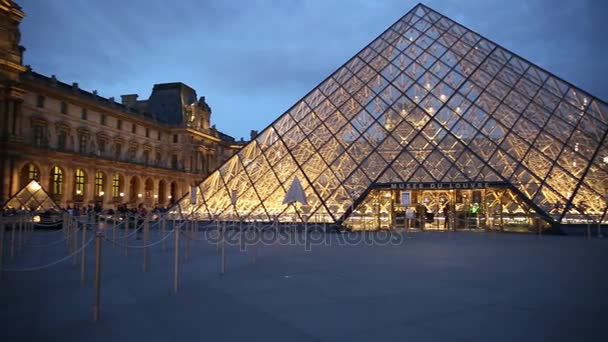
461, 286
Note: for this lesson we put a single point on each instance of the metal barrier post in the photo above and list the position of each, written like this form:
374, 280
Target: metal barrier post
146, 231
83, 257
113, 231
2, 227
76, 243
176, 259
187, 241
127, 219
97, 287
20, 234
14, 226
223, 250
163, 223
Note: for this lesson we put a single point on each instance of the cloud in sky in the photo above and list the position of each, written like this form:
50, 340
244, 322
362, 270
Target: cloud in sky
252, 60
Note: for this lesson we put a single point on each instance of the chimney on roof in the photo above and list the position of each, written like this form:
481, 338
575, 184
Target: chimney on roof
53, 80
111, 99
95, 92
75, 86
129, 100
253, 134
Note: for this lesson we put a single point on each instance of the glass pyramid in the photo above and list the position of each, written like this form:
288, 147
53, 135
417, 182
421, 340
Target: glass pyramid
427, 101
32, 197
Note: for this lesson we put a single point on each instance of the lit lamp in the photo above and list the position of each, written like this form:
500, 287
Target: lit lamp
78, 192
155, 196
101, 193
122, 194
169, 197
139, 195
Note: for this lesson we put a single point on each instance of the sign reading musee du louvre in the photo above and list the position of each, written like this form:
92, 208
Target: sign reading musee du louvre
441, 185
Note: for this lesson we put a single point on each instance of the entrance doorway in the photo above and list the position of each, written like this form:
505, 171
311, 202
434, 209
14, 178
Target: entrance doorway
470, 209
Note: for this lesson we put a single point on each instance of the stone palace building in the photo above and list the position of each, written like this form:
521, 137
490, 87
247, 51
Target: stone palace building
85, 149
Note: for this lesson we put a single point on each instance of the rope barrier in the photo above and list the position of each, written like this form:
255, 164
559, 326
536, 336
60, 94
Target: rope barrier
38, 268
140, 247
67, 236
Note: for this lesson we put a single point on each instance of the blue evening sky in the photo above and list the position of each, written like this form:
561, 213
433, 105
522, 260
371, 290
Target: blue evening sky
253, 60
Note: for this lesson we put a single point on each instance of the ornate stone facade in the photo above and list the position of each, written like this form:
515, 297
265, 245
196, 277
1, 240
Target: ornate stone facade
86, 149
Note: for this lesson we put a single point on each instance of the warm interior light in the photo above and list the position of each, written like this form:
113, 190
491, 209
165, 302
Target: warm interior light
122, 194
442, 97
139, 195
428, 86
430, 109
403, 112
169, 197
101, 193
457, 109
35, 186
155, 196
78, 192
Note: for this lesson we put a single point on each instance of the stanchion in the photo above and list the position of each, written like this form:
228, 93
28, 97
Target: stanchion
126, 234
97, 287
14, 226
20, 234
146, 231
187, 241
176, 259
75, 237
83, 256
223, 250
2, 227
255, 244
162, 223
113, 231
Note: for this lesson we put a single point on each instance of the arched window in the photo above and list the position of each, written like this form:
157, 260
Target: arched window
116, 185
29, 172
79, 180
100, 182
56, 181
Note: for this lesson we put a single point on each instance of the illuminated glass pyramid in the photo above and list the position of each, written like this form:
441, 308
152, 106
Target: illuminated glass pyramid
31, 197
426, 101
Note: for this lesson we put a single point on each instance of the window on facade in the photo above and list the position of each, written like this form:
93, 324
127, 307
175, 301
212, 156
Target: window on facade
119, 124
64, 107
40, 101
132, 153
116, 185
38, 135
159, 135
118, 151
146, 156
62, 140
147, 132
28, 173
56, 181
102, 146
83, 139
133, 128
84, 114
102, 119
157, 159
79, 180
174, 161
99, 183
174, 138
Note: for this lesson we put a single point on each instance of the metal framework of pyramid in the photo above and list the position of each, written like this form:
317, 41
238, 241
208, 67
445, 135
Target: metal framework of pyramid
31, 197
427, 101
